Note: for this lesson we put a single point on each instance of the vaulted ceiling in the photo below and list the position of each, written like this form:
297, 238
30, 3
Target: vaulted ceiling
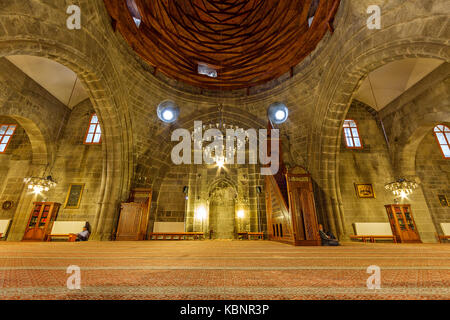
58, 80
384, 85
240, 43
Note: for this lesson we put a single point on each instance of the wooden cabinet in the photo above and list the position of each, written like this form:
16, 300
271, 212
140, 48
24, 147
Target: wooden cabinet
41, 221
402, 223
134, 215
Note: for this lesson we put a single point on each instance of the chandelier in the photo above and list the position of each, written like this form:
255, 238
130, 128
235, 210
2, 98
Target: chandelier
38, 185
230, 147
402, 187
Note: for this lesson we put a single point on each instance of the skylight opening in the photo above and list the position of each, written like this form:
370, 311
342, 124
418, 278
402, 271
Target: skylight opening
134, 11
206, 70
312, 12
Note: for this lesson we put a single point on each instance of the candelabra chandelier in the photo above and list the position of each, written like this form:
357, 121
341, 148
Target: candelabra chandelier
38, 185
402, 187
230, 147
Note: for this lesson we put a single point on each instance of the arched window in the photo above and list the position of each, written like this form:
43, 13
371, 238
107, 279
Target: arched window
443, 137
351, 133
6, 132
94, 133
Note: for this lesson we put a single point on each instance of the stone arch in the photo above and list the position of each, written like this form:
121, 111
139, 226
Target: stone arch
39, 143
406, 162
239, 117
334, 107
117, 166
222, 181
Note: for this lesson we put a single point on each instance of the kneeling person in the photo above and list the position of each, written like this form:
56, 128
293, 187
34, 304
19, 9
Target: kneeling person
328, 239
84, 235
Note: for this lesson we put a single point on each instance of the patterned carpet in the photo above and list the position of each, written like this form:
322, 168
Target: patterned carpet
203, 270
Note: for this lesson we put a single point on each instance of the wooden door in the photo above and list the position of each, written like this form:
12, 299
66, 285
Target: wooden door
130, 222
309, 215
33, 222
412, 232
297, 209
144, 197
402, 223
302, 207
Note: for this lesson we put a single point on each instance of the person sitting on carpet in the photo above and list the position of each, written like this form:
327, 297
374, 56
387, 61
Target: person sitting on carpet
328, 239
84, 235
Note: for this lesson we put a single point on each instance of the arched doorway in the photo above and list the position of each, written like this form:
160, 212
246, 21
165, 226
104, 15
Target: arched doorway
222, 211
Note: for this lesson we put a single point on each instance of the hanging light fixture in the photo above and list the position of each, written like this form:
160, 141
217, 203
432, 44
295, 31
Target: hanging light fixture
402, 187
278, 113
168, 111
222, 126
38, 185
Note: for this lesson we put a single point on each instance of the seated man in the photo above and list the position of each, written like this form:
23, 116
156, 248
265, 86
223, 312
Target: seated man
84, 235
328, 239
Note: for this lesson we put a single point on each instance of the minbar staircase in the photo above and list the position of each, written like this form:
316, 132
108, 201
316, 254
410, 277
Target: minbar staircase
281, 182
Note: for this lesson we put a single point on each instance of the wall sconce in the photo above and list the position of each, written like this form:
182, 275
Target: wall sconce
241, 214
201, 213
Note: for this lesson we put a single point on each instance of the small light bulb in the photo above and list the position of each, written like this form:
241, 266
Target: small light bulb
201, 213
168, 115
220, 162
280, 114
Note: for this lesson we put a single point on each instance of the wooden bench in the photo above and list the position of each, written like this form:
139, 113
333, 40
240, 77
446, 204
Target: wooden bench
249, 235
242, 235
446, 232
66, 229
258, 235
371, 231
4, 225
178, 235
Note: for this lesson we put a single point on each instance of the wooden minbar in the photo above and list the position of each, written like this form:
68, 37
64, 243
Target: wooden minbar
134, 215
402, 223
302, 206
41, 221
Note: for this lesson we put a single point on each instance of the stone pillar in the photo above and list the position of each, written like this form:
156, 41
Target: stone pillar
23, 211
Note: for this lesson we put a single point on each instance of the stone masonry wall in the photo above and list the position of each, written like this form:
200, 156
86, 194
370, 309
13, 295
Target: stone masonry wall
434, 173
14, 166
369, 165
78, 163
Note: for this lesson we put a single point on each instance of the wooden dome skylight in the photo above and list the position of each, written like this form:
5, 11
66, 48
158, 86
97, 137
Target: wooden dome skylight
223, 44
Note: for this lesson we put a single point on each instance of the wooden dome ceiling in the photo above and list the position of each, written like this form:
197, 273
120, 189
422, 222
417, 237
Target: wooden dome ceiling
243, 42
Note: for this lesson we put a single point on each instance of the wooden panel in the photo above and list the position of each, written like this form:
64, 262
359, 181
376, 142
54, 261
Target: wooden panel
134, 215
279, 219
130, 221
248, 42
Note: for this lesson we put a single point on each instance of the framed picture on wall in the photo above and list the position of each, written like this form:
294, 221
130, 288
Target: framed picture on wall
74, 194
443, 200
364, 190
